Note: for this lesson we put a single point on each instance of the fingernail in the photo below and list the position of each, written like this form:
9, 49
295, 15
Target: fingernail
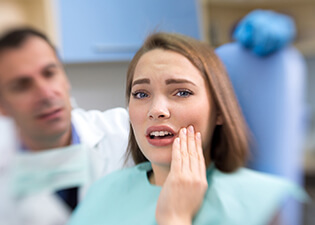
177, 140
198, 135
191, 129
184, 130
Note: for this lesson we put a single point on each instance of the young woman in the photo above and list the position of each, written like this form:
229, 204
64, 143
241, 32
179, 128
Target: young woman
187, 129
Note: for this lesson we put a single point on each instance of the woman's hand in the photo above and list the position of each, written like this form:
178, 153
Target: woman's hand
183, 191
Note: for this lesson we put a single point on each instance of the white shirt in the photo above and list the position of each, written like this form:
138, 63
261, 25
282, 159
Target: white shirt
105, 134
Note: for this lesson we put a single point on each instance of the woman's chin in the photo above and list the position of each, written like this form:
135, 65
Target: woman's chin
162, 162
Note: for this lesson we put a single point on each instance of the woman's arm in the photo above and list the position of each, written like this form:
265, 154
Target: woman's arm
183, 191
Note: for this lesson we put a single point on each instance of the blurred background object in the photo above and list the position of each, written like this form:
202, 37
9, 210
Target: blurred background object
96, 41
271, 92
265, 31
113, 30
269, 78
39, 14
220, 16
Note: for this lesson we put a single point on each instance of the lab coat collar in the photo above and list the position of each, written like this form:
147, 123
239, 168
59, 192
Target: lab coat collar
89, 133
8, 142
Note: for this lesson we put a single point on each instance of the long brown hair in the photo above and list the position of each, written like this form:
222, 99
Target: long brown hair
229, 146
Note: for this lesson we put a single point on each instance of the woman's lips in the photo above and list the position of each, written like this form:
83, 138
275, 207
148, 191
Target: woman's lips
160, 135
161, 142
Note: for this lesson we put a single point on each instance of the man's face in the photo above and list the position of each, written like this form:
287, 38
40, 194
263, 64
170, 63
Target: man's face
34, 90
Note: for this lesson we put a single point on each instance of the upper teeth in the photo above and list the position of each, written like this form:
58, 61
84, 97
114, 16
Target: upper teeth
160, 133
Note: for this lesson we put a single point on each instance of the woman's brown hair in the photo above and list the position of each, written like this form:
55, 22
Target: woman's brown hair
229, 148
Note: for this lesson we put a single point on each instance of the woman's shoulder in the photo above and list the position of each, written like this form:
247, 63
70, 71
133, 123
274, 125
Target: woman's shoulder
248, 176
253, 182
250, 188
251, 177
252, 195
128, 176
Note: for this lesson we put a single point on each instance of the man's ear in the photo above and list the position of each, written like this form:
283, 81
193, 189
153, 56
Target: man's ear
219, 120
68, 83
3, 112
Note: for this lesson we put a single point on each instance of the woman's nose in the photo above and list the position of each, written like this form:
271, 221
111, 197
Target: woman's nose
159, 110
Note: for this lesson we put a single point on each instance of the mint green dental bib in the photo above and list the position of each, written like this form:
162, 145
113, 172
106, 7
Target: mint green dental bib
127, 198
50, 170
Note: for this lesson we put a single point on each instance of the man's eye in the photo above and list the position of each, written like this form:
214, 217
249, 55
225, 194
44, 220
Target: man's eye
49, 73
183, 93
139, 95
21, 86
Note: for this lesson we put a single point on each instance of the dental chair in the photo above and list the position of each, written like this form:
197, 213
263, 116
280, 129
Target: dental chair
271, 93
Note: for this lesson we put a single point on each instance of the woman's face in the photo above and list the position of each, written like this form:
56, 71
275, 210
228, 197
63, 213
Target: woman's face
168, 93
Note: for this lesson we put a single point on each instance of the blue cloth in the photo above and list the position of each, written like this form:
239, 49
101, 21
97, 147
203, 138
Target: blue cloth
126, 197
265, 31
75, 136
70, 195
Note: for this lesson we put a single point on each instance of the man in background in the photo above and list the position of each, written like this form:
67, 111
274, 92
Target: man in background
73, 147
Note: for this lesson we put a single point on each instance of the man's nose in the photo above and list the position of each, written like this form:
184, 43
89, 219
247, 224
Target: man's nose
44, 89
159, 109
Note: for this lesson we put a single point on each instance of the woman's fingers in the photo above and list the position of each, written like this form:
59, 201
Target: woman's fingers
187, 153
176, 164
199, 151
192, 151
184, 151
183, 191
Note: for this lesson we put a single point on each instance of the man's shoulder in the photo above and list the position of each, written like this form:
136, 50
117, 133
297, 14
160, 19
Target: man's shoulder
91, 115
111, 117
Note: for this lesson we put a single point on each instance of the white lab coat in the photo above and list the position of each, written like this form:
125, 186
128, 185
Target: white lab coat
105, 134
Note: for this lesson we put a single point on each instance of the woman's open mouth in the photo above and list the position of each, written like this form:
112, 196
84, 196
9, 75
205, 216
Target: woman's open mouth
160, 135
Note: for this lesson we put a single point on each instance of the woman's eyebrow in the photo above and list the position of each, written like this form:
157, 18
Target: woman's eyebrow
178, 81
141, 81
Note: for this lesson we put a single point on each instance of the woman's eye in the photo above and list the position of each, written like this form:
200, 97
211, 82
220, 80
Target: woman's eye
139, 95
183, 93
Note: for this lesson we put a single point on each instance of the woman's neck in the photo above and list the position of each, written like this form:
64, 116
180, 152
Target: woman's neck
161, 171
159, 175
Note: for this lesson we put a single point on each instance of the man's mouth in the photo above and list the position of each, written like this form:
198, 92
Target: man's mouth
49, 115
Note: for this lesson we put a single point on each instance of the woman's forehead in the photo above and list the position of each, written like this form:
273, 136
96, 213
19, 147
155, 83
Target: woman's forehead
165, 64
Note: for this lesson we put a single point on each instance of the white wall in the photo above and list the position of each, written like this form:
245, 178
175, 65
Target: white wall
98, 85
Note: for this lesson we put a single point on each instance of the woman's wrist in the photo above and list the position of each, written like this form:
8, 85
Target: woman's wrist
180, 220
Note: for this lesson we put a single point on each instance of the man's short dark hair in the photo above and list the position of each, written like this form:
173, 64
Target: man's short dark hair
16, 37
